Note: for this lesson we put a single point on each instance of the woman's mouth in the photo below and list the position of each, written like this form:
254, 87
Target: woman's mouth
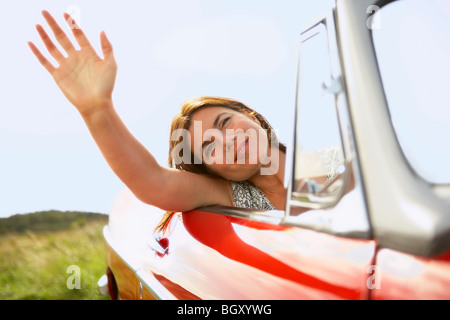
241, 150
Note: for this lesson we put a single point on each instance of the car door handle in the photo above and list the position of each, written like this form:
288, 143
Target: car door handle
159, 245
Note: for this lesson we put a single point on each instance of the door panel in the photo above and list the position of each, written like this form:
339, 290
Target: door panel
215, 256
404, 276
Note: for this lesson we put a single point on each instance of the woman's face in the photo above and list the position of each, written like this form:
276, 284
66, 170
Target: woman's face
229, 143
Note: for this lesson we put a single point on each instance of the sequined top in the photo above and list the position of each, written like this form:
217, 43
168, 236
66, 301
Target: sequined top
247, 195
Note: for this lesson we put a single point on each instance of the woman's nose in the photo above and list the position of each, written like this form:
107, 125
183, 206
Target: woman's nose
230, 140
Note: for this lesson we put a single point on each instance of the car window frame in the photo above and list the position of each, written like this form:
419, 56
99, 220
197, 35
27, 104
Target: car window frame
332, 87
334, 218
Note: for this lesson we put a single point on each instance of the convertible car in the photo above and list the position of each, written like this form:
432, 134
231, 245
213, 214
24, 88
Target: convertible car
372, 116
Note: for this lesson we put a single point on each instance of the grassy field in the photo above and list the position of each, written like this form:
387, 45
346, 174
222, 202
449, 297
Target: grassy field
34, 265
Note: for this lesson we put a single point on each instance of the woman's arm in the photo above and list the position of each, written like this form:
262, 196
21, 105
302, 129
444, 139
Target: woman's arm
169, 189
88, 81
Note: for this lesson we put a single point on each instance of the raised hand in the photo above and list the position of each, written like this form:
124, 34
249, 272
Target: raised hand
85, 79
88, 81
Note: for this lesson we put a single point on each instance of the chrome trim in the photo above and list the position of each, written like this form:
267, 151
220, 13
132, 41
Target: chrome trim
267, 216
153, 285
141, 290
102, 285
405, 213
156, 246
155, 288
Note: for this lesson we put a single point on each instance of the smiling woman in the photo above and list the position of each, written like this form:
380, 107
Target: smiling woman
87, 81
227, 116
239, 155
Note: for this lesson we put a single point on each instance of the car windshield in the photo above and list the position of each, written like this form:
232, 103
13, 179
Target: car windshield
412, 44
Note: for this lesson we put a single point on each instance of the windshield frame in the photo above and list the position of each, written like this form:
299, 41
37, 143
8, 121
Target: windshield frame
428, 168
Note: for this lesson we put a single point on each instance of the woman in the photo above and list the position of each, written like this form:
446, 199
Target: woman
213, 140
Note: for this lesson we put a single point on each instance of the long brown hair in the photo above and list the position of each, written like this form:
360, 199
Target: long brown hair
183, 120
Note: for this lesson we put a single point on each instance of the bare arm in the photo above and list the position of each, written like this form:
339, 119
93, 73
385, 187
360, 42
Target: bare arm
88, 81
169, 189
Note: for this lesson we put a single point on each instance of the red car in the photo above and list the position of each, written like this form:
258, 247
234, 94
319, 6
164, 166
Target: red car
368, 203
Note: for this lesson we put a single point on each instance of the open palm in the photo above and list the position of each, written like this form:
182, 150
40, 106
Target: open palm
85, 79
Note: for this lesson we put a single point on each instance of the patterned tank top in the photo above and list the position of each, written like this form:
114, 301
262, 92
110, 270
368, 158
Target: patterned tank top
247, 195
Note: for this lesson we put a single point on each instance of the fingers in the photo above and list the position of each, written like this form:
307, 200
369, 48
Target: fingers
106, 45
78, 33
64, 41
60, 35
44, 62
52, 49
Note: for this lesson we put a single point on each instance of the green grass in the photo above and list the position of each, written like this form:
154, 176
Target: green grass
33, 265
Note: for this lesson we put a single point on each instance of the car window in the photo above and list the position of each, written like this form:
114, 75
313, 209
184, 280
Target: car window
412, 46
319, 159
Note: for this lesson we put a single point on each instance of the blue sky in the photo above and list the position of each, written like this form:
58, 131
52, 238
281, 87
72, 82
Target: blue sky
167, 52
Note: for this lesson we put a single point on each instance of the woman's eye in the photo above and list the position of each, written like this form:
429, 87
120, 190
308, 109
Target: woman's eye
225, 121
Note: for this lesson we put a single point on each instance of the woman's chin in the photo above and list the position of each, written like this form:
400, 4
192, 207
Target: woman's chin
238, 172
